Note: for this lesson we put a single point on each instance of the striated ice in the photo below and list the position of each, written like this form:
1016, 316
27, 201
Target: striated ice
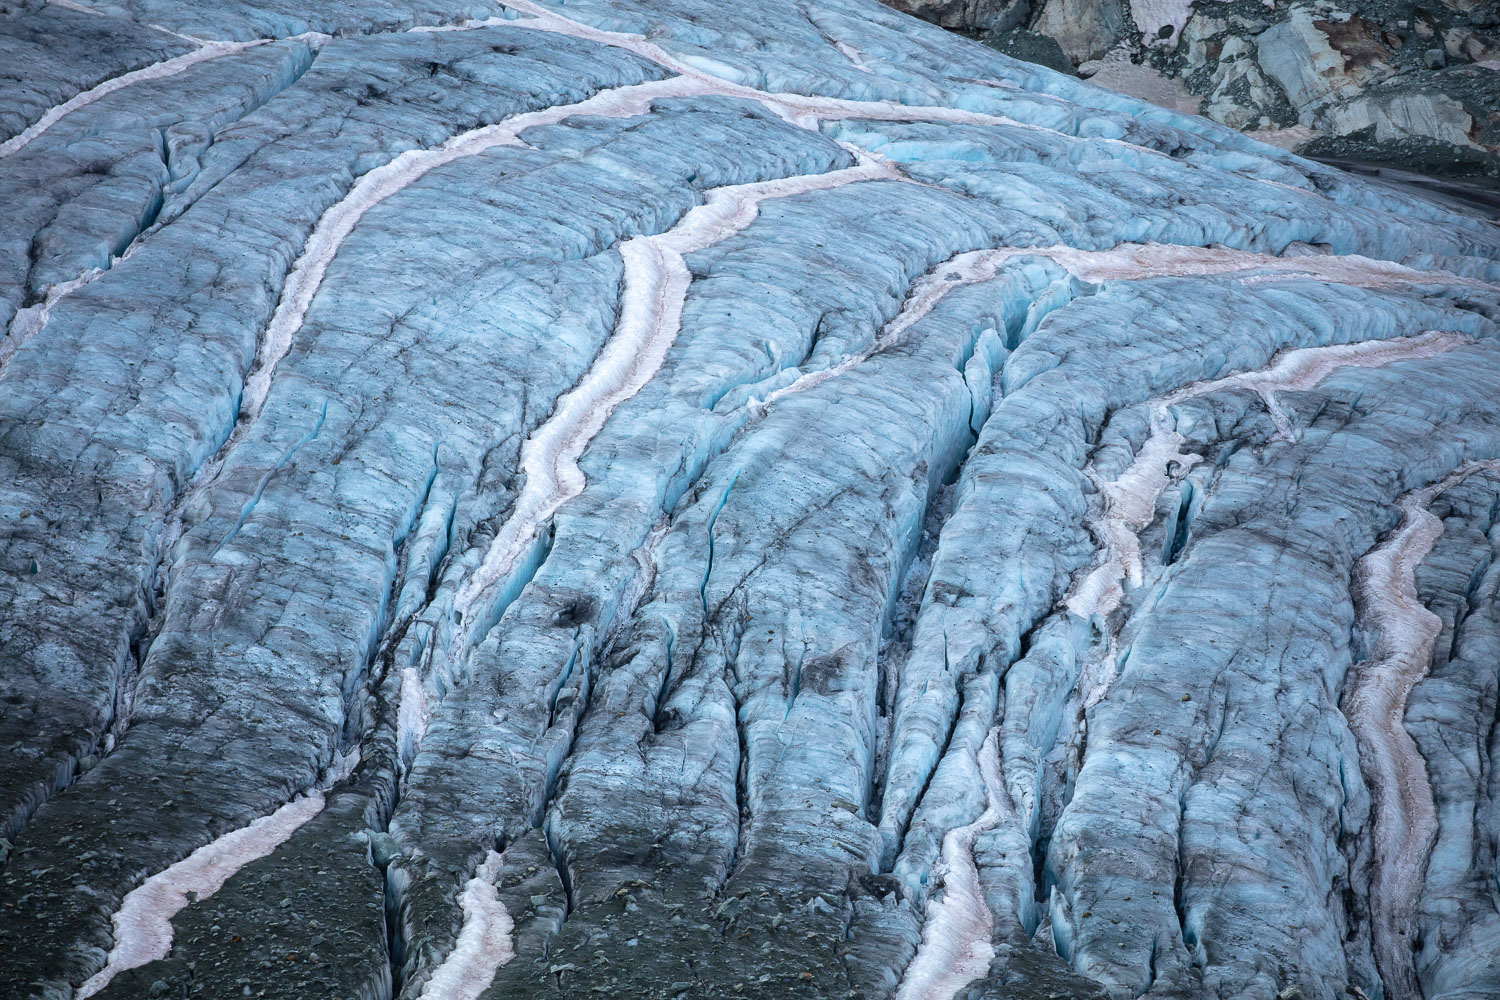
677, 499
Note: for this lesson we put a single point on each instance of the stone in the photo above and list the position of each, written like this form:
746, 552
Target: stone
971, 15
1086, 29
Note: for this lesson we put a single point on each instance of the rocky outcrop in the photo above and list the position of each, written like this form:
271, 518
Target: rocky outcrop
969, 15
1373, 80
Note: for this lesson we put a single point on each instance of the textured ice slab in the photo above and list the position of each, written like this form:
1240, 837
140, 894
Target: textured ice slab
775, 499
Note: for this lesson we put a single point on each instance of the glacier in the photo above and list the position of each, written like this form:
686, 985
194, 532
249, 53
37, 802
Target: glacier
684, 500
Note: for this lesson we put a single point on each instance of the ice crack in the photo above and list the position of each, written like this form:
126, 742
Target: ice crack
1128, 503
802, 109
956, 948
386, 180
143, 924
1125, 262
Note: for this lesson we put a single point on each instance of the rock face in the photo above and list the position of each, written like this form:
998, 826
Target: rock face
1417, 87
972, 15
681, 500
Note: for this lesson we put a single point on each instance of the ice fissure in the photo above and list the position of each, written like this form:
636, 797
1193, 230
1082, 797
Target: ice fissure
956, 948
761, 501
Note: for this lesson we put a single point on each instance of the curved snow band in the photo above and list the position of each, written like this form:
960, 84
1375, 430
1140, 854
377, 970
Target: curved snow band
143, 925
156, 71
1405, 817
484, 944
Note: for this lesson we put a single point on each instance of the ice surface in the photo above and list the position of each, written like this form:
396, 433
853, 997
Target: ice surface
656, 281
777, 500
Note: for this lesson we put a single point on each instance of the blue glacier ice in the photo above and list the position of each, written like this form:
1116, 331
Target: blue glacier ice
687, 500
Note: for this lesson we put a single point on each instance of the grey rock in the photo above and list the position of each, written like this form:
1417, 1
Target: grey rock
1300, 56
1362, 77
1086, 29
974, 15
1030, 46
